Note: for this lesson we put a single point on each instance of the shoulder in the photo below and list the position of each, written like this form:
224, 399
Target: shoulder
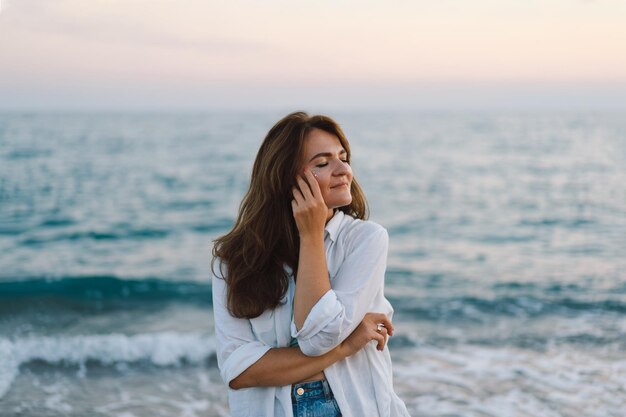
218, 277
362, 228
218, 269
356, 233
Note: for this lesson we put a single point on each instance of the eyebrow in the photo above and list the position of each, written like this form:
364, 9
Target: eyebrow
327, 154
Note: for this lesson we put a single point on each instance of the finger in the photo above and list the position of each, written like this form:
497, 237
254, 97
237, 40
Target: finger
384, 333
297, 195
305, 189
387, 323
380, 339
382, 330
383, 319
377, 317
380, 318
315, 187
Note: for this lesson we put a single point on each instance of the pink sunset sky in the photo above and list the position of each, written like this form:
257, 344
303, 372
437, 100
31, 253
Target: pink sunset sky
193, 54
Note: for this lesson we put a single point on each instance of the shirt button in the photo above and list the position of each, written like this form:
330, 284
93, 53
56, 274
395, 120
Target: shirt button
300, 391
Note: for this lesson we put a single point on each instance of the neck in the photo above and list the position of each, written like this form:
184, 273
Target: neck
330, 214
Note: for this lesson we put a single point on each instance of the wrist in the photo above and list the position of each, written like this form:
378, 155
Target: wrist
312, 238
343, 350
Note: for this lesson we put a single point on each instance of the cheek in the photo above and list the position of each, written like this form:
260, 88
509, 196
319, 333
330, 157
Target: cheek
323, 182
321, 178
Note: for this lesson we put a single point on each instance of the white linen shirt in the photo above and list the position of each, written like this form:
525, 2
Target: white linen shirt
356, 257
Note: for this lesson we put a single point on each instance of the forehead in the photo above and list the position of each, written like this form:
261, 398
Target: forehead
321, 141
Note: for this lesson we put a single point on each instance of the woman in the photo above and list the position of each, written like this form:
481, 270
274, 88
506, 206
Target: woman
298, 285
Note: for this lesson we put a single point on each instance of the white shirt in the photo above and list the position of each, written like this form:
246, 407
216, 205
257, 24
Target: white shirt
356, 257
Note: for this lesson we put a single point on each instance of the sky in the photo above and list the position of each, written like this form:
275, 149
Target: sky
366, 54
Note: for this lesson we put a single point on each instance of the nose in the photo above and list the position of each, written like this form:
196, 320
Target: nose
341, 168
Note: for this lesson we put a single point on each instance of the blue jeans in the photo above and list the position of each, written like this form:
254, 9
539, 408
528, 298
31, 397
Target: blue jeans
314, 399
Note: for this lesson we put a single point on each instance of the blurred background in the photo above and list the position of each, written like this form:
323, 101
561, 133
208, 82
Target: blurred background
489, 137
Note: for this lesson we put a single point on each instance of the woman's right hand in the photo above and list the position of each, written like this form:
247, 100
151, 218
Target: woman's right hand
308, 207
367, 331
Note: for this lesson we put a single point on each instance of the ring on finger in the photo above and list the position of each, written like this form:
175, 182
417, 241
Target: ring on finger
380, 327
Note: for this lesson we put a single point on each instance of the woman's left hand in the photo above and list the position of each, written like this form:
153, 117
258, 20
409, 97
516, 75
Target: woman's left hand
308, 206
374, 326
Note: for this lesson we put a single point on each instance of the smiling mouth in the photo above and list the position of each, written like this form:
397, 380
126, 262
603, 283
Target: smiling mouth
340, 185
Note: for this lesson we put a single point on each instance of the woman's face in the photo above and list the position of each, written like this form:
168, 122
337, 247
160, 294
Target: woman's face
327, 159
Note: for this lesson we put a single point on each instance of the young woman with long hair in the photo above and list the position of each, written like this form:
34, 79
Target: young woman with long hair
298, 285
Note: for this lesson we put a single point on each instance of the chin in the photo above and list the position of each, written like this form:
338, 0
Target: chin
339, 203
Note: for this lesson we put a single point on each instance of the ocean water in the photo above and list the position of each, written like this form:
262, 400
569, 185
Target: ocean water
506, 265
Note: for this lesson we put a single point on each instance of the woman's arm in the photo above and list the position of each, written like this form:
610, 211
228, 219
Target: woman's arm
244, 361
310, 212
286, 366
334, 313
357, 283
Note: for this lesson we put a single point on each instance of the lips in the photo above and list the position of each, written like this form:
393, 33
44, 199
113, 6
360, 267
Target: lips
340, 185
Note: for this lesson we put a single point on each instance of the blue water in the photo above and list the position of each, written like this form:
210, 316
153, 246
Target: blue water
506, 263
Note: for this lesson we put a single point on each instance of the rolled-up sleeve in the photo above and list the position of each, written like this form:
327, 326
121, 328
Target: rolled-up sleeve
358, 280
237, 347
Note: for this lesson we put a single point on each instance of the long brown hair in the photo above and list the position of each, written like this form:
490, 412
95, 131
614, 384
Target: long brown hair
265, 237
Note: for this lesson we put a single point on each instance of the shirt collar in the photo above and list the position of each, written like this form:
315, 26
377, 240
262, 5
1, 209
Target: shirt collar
332, 227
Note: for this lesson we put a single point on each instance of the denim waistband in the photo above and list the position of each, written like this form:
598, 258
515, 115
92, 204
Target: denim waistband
314, 389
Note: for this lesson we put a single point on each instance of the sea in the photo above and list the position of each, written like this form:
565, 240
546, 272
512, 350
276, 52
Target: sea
506, 266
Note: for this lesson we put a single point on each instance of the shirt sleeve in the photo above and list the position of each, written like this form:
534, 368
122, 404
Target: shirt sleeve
237, 347
358, 281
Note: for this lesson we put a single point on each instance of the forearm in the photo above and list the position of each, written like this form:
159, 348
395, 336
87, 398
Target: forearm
312, 281
285, 366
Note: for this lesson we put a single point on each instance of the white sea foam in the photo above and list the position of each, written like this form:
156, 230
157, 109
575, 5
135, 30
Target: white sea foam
8, 366
159, 349
481, 381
